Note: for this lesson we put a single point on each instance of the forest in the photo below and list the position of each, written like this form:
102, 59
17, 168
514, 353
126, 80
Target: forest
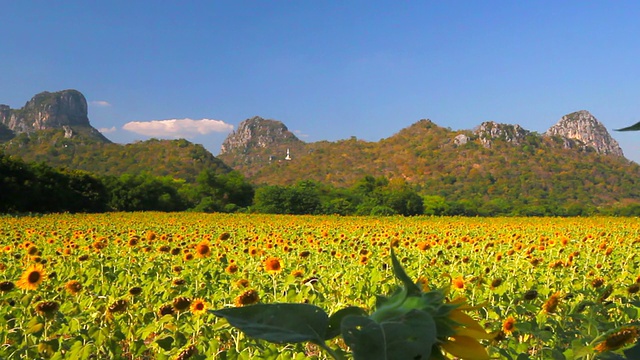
34, 187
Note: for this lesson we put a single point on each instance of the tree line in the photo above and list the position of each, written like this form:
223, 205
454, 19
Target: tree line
39, 188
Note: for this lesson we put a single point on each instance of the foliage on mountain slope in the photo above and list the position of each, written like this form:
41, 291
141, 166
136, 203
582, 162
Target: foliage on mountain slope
534, 173
176, 158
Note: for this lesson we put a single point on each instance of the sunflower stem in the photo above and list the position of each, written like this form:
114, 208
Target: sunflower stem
330, 351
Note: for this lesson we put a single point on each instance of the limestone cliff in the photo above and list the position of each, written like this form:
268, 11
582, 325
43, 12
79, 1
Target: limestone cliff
583, 126
257, 132
490, 130
65, 110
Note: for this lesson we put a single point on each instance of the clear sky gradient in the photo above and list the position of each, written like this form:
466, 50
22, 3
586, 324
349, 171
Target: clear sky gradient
327, 69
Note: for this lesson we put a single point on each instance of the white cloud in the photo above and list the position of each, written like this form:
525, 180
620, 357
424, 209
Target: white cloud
100, 103
107, 130
177, 128
300, 134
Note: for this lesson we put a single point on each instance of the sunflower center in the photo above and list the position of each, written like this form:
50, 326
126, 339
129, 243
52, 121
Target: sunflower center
34, 277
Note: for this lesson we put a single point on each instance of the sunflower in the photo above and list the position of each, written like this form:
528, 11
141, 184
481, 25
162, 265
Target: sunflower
551, 305
530, 294
458, 283
242, 283
198, 307
73, 287
248, 297
495, 283
187, 353
135, 291
32, 250
231, 269
32, 277
423, 283
597, 282
272, 265
203, 249
118, 306
7, 286
618, 339
166, 309
181, 303
47, 308
509, 325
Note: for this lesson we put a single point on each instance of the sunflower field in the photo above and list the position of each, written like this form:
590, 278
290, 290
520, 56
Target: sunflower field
144, 285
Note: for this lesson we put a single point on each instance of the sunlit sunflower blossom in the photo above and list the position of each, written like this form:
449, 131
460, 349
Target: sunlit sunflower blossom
458, 283
32, 277
231, 269
198, 307
203, 249
618, 339
551, 305
242, 283
509, 325
73, 287
273, 265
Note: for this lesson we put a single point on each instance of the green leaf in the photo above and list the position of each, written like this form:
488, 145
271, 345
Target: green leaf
398, 270
165, 343
279, 323
335, 320
410, 336
35, 328
633, 352
634, 127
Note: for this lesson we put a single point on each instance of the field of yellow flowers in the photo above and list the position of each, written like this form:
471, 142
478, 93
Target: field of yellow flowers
141, 285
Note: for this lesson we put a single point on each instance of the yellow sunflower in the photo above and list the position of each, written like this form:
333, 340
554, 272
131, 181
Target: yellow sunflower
32, 277
272, 265
198, 306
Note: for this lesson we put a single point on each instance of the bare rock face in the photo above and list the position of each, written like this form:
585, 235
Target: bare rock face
583, 126
257, 133
65, 109
461, 139
490, 130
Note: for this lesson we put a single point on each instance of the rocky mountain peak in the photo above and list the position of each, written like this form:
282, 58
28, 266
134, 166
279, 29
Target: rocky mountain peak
257, 132
65, 110
490, 130
583, 126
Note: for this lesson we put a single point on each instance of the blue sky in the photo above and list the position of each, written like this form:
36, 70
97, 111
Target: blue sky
327, 69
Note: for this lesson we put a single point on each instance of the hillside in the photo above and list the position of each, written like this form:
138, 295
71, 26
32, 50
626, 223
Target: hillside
54, 128
495, 162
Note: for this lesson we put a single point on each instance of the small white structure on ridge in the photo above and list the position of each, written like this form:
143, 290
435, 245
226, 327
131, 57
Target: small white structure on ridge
288, 157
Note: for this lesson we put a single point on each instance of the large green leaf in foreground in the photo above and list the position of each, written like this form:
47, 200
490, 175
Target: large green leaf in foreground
279, 323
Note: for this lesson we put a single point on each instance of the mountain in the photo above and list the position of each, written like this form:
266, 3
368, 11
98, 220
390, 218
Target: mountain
53, 127
490, 162
583, 126
65, 110
258, 142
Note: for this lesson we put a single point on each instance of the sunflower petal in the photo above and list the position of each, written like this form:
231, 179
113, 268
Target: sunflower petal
465, 348
465, 320
475, 334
